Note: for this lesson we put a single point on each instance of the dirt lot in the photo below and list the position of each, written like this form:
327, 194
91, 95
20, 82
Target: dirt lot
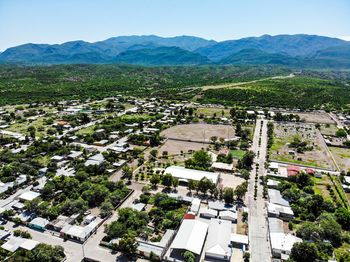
198, 132
322, 118
175, 147
284, 134
341, 156
230, 180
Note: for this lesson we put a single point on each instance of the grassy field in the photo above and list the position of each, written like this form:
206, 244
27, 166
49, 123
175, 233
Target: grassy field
341, 156
86, 131
210, 111
237, 153
329, 130
22, 127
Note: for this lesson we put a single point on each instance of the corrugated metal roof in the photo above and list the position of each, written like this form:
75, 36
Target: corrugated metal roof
191, 236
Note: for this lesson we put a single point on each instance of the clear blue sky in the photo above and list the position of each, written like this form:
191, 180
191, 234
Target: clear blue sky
57, 21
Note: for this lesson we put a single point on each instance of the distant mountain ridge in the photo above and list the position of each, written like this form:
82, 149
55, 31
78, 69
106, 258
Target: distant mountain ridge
289, 50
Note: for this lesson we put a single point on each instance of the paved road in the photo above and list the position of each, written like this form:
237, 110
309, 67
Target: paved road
91, 246
258, 226
72, 249
5, 203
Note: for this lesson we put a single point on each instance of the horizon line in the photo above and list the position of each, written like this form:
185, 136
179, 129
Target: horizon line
344, 38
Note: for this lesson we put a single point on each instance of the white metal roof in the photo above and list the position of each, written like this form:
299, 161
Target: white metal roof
191, 236
188, 174
15, 242
283, 242
275, 225
217, 205
347, 179
240, 239
29, 244
228, 215
75, 154
139, 206
276, 197
277, 209
273, 165
39, 221
222, 166
196, 202
219, 238
29, 195
207, 212
271, 182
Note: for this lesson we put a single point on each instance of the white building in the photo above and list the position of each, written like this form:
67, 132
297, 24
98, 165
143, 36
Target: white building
275, 197
195, 205
18, 242
208, 213
190, 237
283, 212
28, 196
39, 223
239, 240
281, 243
79, 233
222, 167
185, 174
75, 154
95, 160
228, 215
218, 242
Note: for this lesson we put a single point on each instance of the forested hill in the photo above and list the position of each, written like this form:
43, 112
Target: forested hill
229, 85
298, 51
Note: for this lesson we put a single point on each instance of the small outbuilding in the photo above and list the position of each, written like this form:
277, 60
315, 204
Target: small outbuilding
28, 196
228, 215
39, 223
208, 213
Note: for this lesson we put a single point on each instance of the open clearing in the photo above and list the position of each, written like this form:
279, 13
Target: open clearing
174, 147
239, 84
284, 134
210, 111
341, 156
322, 118
198, 132
328, 130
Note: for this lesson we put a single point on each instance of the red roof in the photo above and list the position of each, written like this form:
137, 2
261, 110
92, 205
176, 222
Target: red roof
224, 151
293, 170
189, 216
310, 171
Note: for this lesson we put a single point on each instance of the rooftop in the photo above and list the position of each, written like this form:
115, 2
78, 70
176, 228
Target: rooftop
276, 198
219, 238
190, 174
191, 236
29, 195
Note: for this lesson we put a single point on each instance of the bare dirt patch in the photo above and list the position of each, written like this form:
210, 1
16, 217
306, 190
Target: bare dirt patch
174, 147
322, 118
284, 134
230, 180
198, 132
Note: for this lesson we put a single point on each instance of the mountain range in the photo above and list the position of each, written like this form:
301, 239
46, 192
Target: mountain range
288, 50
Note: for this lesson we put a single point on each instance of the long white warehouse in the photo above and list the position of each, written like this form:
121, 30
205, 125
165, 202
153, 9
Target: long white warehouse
185, 174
